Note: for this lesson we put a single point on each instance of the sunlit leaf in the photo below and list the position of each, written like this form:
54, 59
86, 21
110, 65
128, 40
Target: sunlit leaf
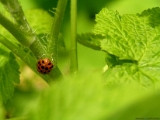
134, 42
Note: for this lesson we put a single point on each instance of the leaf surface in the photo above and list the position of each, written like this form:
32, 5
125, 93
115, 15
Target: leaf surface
134, 41
9, 73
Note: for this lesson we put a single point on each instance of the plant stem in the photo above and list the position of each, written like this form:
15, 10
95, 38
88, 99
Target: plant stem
30, 61
74, 61
17, 13
24, 34
53, 41
29, 41
14, 30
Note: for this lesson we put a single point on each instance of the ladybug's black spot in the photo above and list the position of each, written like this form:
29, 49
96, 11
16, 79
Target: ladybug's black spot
51, 67
39, 62
42, 67
46, 68
49, 63
42, 61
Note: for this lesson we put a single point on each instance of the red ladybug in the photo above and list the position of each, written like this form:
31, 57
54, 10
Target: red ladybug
44, 66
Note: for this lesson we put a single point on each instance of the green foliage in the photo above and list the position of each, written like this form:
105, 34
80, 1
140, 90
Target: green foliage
78, 98
127, 36
112, 60
9, 73
127, 89
141, 109
130, 42
87, 97
153, 16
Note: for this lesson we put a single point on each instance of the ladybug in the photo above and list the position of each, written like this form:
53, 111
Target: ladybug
44, 66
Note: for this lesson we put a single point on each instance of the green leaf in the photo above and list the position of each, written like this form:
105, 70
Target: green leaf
127, 36
133, 43
9, 73
142, 109
75, 98
122, 74
40, 20
90, 40
113, 60
86, 97
153, 16
130, 74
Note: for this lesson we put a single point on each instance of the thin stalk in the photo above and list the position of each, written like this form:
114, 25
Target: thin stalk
74, 61
14, 30
14, 8
56, 26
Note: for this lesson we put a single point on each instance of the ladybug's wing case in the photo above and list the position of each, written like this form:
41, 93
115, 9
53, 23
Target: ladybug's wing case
44, 66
